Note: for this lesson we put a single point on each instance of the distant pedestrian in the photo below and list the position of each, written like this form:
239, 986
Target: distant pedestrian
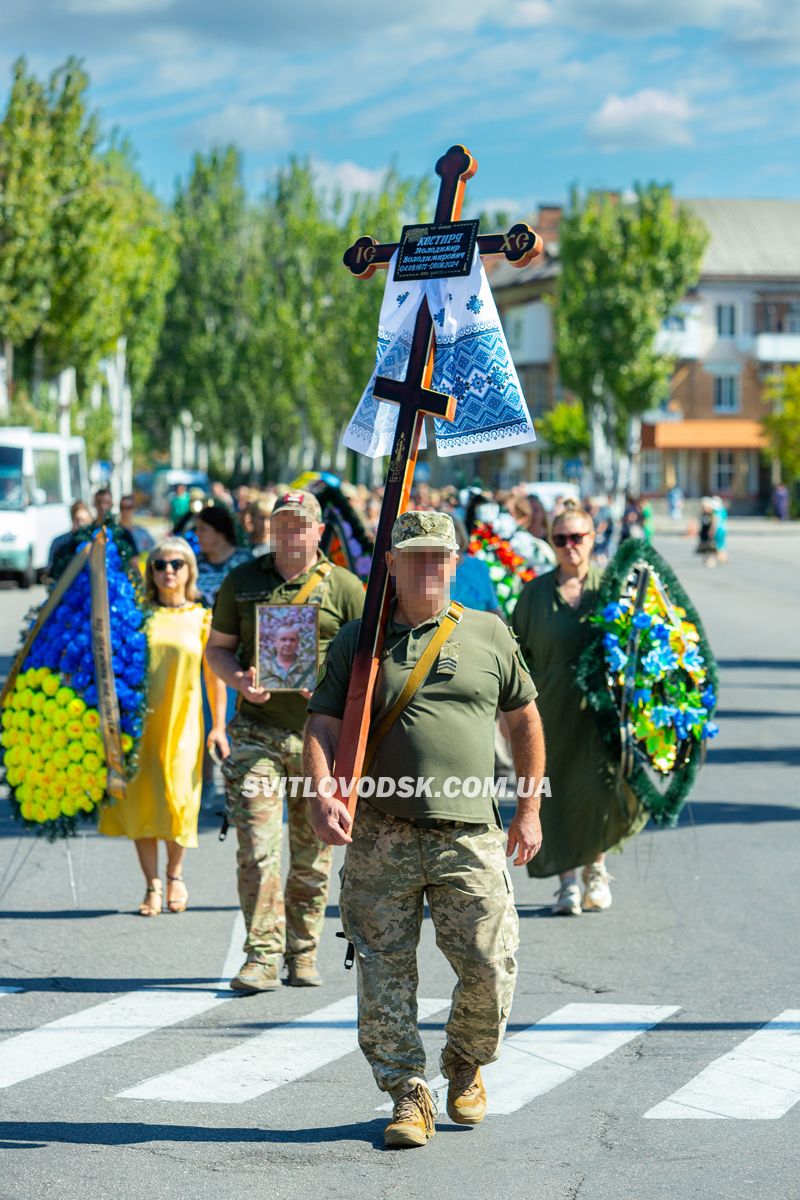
103, 504
127, 511
780, 501
721, 529
706, 533
260, 511
178, 504
219, 554
675, 502
63, 546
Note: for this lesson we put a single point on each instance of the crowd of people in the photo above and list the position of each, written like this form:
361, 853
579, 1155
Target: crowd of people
506, 679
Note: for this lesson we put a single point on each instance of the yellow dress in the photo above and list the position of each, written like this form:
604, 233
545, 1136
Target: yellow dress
163, 798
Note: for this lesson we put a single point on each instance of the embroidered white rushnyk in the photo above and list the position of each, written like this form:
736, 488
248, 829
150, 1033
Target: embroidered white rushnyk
471, 362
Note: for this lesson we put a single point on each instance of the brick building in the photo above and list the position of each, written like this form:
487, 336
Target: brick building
739, 325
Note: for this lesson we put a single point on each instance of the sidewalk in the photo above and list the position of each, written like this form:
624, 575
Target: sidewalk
742, 526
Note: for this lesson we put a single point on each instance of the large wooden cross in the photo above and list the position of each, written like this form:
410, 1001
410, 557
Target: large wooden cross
414, 398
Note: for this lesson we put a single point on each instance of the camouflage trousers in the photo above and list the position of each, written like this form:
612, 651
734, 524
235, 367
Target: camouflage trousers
390, 868
276, 923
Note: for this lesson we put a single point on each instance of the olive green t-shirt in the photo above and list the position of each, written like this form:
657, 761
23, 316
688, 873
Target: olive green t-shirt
444, 736
340, 597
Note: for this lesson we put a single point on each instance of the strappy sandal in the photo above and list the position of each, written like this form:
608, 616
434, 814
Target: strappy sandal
177, 906
153, 901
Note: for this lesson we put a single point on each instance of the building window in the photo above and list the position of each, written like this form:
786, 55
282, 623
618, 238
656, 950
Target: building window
547, 467
726, 320
676, 322
650, 468
793, 317
515, 328
726, 394
722, 471
535, 387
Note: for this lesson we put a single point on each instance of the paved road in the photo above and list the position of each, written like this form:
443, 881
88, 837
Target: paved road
126, 1072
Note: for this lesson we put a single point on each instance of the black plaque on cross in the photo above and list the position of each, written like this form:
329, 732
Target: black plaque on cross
414, 398
436, 251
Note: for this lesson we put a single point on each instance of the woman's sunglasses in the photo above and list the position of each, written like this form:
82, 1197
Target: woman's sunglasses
568, 539
161, 564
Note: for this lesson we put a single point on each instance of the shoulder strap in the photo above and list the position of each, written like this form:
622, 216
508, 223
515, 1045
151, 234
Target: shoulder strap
419, 673
320, 572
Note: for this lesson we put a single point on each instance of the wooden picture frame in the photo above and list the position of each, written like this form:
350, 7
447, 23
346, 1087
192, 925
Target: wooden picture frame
275, 623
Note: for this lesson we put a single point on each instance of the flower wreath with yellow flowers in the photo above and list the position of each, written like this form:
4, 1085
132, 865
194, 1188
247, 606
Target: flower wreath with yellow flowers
53, 739
650, 675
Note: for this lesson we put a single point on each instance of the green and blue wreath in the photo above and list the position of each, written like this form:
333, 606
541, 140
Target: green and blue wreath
651, 678
57, 728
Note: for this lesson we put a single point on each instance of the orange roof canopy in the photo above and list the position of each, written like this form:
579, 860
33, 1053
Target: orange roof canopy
724, 433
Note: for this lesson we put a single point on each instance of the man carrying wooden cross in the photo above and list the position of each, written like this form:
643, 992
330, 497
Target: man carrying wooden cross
423, 830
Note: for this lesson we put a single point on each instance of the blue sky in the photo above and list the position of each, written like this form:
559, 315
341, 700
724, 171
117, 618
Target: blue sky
545, 93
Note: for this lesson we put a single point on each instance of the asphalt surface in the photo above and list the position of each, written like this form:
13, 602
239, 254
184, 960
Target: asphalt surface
703, 930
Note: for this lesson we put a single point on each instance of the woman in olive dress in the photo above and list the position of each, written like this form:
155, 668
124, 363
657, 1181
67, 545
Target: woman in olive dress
589, 810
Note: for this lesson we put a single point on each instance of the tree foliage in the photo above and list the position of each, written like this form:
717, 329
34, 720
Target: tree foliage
86, 249
624, 266
782, 425
564, 428
266, 333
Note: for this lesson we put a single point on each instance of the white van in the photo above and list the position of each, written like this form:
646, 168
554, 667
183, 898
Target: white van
40, 476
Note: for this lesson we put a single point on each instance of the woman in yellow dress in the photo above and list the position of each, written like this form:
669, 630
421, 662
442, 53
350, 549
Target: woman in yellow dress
162, 801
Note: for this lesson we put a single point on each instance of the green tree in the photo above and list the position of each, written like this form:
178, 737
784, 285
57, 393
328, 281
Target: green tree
86, 251
782, 425
207, 324
26, 192
564, 428
624, 266
320, 323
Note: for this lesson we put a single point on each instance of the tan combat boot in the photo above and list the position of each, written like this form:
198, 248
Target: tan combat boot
412, 1122
302, 972
255, 976
466, 1095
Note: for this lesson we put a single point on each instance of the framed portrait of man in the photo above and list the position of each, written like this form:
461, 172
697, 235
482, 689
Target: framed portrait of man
287, 646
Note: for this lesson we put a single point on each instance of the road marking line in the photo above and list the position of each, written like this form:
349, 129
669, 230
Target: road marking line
555, 1049
266, 1061
92, 1030
758, 1081
233, 959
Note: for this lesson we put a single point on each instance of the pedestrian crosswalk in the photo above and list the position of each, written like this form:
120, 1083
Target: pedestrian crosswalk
266, 1061
758, 1080
556, 1048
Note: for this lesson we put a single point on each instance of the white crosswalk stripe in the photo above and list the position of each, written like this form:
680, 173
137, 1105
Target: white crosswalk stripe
112, 1023
758, 1081
266, 1061
555, 1049
101, 1027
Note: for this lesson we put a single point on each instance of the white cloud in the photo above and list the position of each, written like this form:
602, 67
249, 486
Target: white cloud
254, 127
645, 120
528, 14
107, 8
348, 177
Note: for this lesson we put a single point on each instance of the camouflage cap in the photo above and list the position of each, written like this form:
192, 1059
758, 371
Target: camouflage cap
420, 530
298, 501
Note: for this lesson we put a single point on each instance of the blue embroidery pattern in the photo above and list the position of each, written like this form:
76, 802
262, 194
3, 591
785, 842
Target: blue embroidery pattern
401, 297
474, 304
475, 367
439, 317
